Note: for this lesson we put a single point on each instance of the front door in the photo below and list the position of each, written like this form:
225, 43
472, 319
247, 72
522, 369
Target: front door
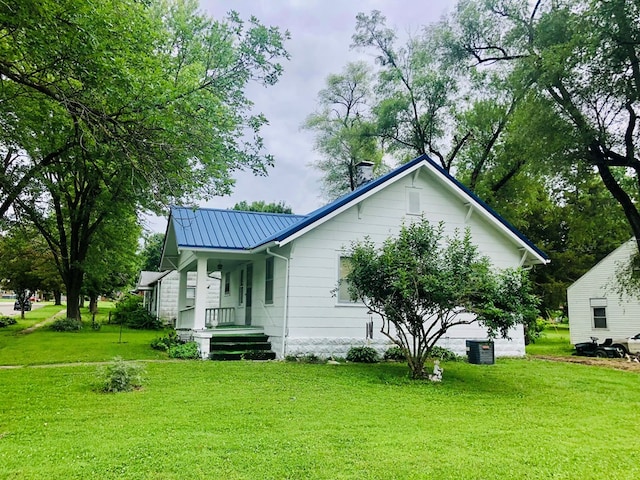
247, 306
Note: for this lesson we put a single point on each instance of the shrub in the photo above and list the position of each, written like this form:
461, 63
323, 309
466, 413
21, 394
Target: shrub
165, 343
444, 354
395, 354
304, 358
129, 311
120, 376
186, 351
362, 355
6, 321
67, 325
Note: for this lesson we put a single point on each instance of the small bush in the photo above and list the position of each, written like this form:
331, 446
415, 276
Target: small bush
165, 343
186, 351
395, 354
67, 325
444, 354
6, 321
304, 358
362, 355
120, 376
129, 311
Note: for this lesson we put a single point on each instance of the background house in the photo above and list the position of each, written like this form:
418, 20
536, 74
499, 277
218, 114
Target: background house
160, 293
280, 273
594, 306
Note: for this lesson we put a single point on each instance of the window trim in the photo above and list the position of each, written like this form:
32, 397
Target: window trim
227, 284
599, 317
269, 276
343, 285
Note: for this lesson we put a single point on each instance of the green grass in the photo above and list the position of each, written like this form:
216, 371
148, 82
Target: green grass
554, 341
242, 420
44, 346
517, 419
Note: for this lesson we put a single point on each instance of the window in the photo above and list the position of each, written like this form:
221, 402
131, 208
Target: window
241, 288
343, 285
413, 201
268, 281
599, 312
191, 292
599, 317
227, 283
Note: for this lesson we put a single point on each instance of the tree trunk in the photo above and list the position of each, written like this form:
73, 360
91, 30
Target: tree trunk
93, 304
628, 206
74, 286
57, 296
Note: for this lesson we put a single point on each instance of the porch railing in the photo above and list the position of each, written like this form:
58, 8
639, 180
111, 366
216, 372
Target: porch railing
219, 316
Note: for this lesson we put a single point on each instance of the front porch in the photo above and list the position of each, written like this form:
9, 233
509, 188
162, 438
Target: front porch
222, 338
213, 318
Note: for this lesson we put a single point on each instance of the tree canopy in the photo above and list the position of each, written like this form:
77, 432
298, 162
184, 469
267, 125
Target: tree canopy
124, 106
262, 206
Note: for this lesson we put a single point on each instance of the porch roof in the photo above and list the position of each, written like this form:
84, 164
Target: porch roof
227, 229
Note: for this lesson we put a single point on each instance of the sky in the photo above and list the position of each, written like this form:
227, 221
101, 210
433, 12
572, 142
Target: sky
319, 46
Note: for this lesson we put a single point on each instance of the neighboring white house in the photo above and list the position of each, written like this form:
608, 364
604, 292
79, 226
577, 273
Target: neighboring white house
279, 272
160, 293
595, 308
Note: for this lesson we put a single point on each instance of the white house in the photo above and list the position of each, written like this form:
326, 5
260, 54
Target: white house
595, 308
279, 272
160, 293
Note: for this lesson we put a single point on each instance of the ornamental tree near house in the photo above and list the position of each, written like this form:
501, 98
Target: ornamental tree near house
422, 284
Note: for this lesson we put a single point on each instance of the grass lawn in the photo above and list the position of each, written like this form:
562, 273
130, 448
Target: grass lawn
243, 420
554, 341
45, 346
517, 419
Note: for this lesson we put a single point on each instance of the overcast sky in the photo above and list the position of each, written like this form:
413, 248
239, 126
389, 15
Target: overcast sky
319, 46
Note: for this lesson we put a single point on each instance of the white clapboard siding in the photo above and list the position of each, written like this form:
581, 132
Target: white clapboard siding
315, 313
623, 314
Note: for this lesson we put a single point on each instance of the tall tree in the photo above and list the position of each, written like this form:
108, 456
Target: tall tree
24, 262
112, 262
345, 133
124, 106
583, 56
152, 252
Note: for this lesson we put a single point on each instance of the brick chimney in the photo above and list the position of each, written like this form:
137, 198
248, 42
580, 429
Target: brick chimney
364, 173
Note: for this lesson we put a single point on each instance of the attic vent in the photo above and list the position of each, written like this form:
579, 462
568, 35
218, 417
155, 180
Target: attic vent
413, 201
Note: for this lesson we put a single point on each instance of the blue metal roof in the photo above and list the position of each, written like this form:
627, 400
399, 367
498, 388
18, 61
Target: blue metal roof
234, 229
226, 229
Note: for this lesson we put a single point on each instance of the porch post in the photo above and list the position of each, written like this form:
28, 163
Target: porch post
201, 294
182, 295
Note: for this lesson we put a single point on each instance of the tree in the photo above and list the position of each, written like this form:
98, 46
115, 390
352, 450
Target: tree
583, 57
152, 252
345, 132
124, 107
24, 262
112, 261
261, 206
422, 284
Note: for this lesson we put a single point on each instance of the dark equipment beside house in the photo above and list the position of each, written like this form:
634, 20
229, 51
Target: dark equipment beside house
593, 349
481, 352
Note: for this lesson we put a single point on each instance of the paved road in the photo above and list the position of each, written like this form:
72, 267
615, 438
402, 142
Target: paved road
6, 308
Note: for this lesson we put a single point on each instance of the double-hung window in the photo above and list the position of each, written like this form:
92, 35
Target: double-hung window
268, 281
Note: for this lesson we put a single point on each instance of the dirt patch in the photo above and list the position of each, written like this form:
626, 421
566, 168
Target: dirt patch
616, 363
